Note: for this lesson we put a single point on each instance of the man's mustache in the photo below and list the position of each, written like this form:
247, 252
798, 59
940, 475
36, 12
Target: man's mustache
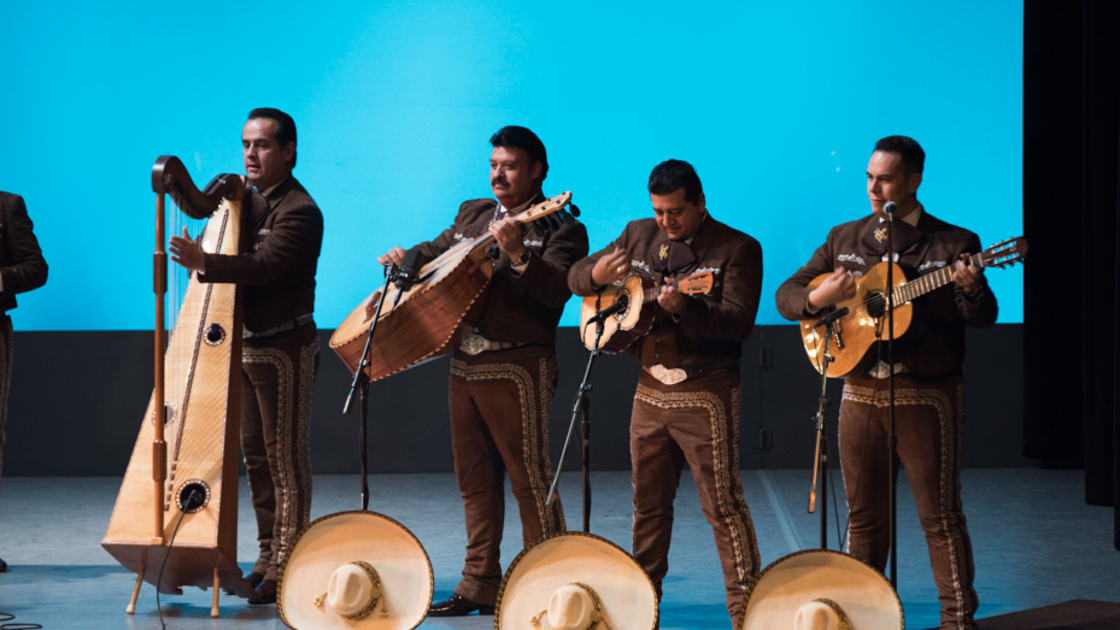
496, 182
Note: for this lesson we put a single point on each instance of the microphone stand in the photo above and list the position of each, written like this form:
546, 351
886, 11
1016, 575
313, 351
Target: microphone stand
360, 385
581, 409
892, 440
820, 458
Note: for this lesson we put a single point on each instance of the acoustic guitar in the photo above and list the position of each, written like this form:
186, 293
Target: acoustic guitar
638, 294
425, 320
864, 320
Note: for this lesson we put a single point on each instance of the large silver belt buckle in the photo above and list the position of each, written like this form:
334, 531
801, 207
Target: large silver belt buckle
667, 376
475, 344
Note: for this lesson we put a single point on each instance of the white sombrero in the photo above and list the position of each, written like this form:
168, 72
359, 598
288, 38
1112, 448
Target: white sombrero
820, 589
355, 570
575, 581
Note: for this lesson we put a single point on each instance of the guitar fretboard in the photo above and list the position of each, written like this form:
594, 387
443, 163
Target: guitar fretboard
924, 284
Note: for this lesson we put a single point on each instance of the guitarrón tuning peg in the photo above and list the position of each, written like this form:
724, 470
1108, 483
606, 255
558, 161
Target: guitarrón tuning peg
574, 209
553, 222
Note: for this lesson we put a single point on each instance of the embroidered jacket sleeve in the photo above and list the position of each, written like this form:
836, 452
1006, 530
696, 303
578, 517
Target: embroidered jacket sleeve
730, 318
793, 295
981, 310
24, 267
296, 235
446, 239
545, 276
579, 278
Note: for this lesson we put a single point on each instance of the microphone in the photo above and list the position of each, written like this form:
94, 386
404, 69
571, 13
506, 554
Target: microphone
607, 312
889, 208
409, 272
833, 316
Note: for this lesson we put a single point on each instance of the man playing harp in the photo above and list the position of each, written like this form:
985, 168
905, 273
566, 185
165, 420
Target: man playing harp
281, 347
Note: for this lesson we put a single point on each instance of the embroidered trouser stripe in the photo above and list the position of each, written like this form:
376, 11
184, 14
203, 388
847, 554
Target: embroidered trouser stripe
929, 421
500, 404
278, 382
696, 422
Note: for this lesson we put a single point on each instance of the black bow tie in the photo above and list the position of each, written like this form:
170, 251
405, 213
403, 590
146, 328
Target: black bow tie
669, 257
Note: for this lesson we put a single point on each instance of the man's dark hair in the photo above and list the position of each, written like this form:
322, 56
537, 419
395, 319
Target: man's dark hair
913, 157
514, 137
285, 126
670, 175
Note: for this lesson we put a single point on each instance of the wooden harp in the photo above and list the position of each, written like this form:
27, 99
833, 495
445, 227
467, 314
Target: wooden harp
188, 445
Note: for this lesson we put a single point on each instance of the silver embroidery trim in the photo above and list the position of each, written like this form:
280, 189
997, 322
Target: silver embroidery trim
535, 460
951, 420
725, 469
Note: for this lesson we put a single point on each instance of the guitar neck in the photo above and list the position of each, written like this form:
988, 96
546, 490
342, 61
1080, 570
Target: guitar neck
931, 281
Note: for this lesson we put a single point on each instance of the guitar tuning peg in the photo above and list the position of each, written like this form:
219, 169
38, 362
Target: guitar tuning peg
553, 222
574, 209
537, 229
562, 216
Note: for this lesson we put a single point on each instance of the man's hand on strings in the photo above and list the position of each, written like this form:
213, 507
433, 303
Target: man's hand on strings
970, 278
671, 299
839, 286
187, 252
611, 267
510, 239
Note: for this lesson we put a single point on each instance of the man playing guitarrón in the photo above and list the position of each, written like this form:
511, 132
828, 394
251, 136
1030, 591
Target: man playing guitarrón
686, 409
503, 373
929, 405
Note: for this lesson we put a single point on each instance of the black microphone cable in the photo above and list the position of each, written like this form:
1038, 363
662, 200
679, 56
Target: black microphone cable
193, 501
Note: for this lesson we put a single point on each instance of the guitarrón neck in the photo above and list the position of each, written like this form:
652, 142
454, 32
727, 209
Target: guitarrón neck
924, 284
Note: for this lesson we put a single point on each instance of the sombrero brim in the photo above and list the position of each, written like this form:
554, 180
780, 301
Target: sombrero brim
626, 592
336, 539
799, 578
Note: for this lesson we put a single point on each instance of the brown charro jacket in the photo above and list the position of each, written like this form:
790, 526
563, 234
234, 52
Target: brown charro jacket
934, 344
279, 270
21, 261
525, 307
708, 336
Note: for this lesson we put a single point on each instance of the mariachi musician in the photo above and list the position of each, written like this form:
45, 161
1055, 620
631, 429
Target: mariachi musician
22, 268
503, 372
686, 408
281, 348
929, 405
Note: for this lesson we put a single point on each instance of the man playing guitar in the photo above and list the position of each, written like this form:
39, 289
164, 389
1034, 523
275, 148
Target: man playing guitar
686, 408
929, 406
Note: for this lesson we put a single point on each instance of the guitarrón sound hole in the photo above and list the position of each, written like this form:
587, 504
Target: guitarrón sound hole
876, 305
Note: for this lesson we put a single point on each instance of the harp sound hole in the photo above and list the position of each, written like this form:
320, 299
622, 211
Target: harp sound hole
193, 496
215, 335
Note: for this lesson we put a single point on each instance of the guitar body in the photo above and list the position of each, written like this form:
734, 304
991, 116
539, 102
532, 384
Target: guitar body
202, 385
623, 328
854, 335
639, 294
424, 322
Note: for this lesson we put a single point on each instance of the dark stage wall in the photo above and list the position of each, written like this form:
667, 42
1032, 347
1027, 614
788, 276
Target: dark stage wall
77, 399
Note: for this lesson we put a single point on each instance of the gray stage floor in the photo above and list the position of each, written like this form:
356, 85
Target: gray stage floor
1035, 541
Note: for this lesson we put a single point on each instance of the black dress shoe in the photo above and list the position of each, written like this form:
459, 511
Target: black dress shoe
253, 578
266, 594
458, 606
3, 566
